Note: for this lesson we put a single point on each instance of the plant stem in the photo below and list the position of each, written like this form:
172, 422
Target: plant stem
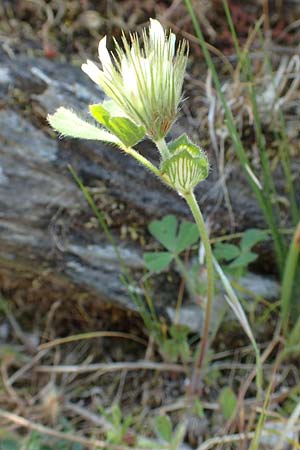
163, 149
194, 207
142, 160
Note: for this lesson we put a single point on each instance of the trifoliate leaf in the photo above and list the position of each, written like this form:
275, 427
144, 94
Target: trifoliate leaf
188, 235
252, 237
226, 251
157, 261
164, 231
68, 123
122, 127
243, 260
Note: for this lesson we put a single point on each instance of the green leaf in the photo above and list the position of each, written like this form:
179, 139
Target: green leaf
68, 123
122, 127
116, 415
9, 444
157, 261
188, 235
179, 332
228, 401
226, 251
198, 408
100, 114
179, 434
170, 350
129, 133
243, 260
164, 231
163, 428
184, 351
252, 237
113, 108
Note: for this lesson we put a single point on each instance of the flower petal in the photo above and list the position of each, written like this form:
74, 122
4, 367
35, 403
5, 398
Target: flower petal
92, 71
156, 33
171, 45
129, 76
104, 55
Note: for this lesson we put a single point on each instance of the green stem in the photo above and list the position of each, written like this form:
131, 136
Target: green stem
194, 207
144, 161
163, 149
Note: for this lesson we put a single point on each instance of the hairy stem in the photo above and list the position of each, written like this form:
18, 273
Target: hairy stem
142, 160
194, 207
163, 149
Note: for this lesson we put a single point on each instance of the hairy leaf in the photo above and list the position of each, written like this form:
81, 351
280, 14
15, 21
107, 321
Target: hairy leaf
68, 123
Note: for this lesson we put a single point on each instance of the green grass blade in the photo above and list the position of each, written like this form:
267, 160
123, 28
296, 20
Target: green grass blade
268, 181
238, 145
255, 443
290, 270
99, 216
149, 319
282, 138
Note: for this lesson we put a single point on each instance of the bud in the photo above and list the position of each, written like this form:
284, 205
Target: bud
186, 167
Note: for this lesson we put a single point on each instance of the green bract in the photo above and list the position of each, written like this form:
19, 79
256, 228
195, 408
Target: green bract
146, 83
186, 167
122, 127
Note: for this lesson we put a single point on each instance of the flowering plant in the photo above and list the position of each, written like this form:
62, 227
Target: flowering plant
145, 89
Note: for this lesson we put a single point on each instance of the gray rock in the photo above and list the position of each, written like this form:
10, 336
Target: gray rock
44, 218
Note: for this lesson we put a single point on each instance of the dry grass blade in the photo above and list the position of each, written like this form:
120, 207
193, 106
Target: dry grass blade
87, 442
235, 305
210, 443
21, 372
98, 420
113, 367
92, 335
231, 438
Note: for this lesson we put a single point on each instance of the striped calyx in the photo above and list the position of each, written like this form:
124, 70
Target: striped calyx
186, 167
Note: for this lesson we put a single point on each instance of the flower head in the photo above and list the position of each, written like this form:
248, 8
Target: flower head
145, 82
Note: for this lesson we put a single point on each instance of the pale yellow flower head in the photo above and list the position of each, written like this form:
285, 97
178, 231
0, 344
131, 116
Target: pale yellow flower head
144, 81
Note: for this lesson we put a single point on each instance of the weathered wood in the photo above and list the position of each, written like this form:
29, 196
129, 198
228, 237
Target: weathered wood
45, 223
